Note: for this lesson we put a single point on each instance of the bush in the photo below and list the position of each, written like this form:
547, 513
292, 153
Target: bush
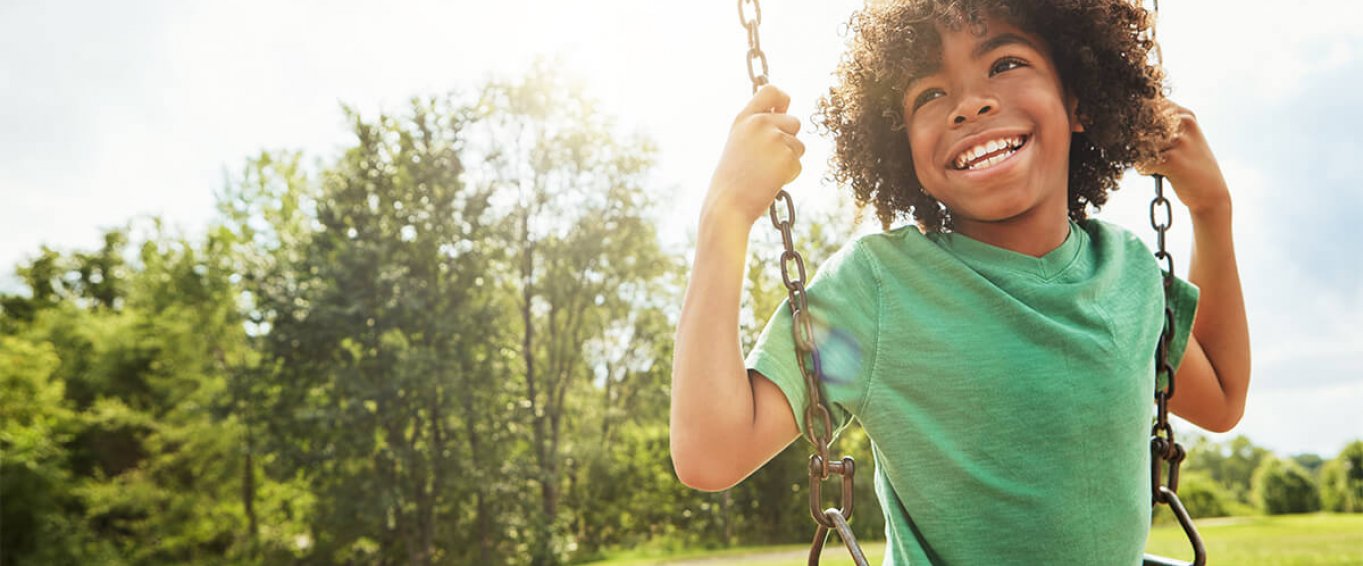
1282, 487
1341, 481
1203, 497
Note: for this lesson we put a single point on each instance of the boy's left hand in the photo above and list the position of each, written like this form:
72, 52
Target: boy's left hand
1187, 162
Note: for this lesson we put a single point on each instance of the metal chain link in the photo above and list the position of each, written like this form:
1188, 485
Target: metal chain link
1164, 449
793, 275
754, 42
1163, 445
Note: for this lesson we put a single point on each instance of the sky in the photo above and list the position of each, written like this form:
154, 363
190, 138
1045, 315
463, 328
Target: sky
116, 110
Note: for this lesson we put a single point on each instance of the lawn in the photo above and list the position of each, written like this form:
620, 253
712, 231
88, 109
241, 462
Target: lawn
1320, 538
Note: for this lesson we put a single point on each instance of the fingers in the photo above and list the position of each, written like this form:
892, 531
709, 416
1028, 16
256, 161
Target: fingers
767, 99
794, 144
769, 104
764, 118
1155, 166
796, 173
766, 113
1181, 116
784, 122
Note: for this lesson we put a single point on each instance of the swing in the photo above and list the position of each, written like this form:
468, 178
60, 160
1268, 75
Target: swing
1163, 448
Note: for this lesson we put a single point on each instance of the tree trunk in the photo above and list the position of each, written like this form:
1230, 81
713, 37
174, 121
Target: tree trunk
480, 519
437, 475
248, 496
543, 545
728, 504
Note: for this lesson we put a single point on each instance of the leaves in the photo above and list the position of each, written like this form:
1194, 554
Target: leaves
448, 344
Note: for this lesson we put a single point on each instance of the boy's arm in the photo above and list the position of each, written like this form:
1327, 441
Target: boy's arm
1213, 379
725, 424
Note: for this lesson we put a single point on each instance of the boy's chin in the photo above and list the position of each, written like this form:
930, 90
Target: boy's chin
1004, 213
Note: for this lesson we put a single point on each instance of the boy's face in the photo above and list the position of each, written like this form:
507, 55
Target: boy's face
990, 129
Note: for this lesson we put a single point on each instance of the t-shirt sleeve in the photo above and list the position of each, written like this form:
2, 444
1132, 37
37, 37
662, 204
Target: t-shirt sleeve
844, 299
1183, 298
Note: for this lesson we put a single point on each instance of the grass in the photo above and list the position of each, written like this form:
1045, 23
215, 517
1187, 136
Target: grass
1320, 538
834, 554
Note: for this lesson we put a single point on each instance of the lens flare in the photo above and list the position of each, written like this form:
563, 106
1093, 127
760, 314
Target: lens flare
839, 353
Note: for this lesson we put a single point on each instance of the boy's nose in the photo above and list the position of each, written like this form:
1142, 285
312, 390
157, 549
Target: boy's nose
960, 118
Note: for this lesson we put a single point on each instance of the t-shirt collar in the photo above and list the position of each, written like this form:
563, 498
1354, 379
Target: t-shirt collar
982, 256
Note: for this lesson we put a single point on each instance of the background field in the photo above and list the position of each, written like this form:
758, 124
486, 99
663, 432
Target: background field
1320, 538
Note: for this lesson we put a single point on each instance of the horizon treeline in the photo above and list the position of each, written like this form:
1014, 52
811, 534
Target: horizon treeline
449, 344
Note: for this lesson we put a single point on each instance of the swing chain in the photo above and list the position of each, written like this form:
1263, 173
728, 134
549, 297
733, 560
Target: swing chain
755, 53
1163, 446
793, 275
1164, 449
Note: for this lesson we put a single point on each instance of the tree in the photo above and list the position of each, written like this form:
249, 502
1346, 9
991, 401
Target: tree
1282, 486
585, 254
1341, 480
1309, 462
370, 324
140, 351
1231, 464
265, 219
1202, 496
34, 478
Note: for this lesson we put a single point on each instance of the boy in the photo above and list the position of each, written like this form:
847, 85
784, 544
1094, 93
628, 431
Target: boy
1003, 364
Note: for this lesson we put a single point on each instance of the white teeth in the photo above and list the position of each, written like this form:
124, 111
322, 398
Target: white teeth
989, 147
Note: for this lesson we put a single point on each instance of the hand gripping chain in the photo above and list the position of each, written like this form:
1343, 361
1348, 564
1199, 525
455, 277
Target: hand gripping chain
802, 329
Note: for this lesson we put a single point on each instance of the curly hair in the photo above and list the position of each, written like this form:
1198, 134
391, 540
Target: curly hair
1100, 50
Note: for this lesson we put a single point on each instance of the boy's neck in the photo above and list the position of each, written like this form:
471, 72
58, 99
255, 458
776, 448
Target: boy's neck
1035, 234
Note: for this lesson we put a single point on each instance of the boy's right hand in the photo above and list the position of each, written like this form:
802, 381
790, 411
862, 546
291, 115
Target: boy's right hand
761, 156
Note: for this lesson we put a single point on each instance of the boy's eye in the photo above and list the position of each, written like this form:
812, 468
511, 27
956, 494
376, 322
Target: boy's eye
1006, 64
1002, 65
925, 96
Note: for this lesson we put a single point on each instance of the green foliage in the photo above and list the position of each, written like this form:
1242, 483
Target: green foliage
141, 465
1230, 464
1282, 486
36, 426
1202, 496
441, 347
1309, 462
1341, 480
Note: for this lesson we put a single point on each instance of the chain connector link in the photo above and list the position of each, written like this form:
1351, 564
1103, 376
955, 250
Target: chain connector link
1186, 521
819, 470
844, 531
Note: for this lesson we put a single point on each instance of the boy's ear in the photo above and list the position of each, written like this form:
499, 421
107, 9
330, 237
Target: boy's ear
1072, 109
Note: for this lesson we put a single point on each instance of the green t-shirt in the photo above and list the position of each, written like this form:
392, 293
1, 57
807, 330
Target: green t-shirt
1008, 398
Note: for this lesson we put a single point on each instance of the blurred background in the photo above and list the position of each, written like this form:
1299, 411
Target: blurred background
342, 282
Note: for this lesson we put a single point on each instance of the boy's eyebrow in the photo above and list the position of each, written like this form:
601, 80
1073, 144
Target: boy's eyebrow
981, 50
998, 41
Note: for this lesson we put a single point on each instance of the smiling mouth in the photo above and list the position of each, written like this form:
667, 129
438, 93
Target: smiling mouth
981, 157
